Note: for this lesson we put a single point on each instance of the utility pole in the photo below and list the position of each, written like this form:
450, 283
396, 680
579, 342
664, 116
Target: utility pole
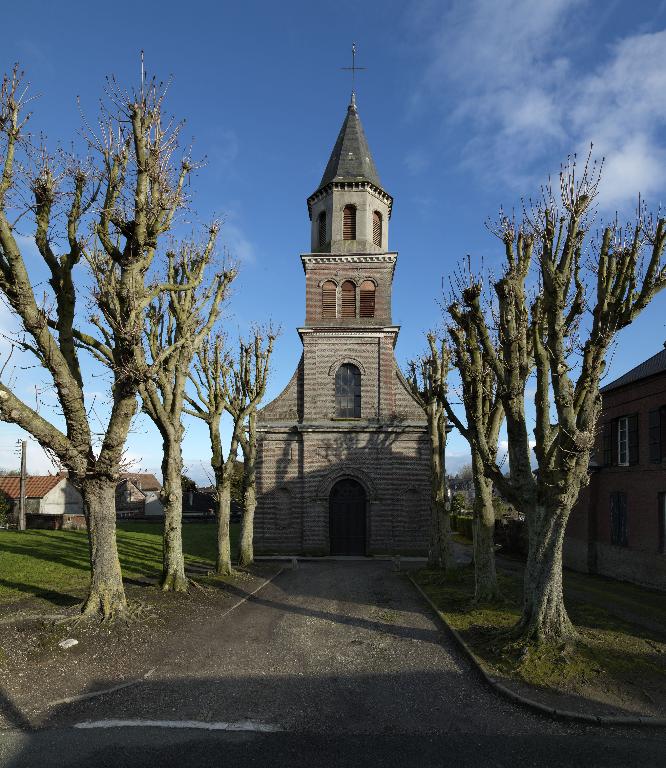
21, 518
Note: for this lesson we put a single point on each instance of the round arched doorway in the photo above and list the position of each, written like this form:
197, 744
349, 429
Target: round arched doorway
346, 505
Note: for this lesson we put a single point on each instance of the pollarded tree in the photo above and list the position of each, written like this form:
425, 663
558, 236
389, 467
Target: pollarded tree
484, 414
127, 196
427, 380
210, 378
181, 319
247, 385
563, 334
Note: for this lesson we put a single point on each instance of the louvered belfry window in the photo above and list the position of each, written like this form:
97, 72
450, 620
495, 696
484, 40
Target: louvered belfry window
377, 229
321, 229
349, 222
348, 392
328, 291
348, 299
367, 298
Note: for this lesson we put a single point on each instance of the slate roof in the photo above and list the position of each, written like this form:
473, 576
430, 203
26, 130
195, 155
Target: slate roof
351, 159
36, 486
650, 367
144, 481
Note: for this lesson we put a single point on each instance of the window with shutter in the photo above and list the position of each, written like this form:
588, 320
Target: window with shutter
348, 392
321, 223
377, 228
328, 296
632, 429
654, 436
661, 522
662, 430
348, 296
349, 222
606, 445
367, 298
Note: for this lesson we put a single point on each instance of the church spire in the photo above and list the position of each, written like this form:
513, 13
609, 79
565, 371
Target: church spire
351, 159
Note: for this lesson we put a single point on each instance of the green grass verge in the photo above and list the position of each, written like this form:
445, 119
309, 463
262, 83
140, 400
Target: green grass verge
612, 651
53, 565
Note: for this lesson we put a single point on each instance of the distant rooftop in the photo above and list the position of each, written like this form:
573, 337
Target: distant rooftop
36, 486
650, 367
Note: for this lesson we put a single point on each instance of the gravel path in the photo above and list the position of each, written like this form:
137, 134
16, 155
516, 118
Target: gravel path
347, 665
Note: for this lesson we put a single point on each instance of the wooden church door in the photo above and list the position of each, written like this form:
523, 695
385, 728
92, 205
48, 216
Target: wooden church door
347, 518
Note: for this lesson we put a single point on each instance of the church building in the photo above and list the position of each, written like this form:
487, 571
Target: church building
343, 452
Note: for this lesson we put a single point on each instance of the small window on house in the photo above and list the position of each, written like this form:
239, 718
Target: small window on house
348, 392
321, 229
348, 299
620, 441
349, 222
618, 515
377, 228
328, 299
661, 522
367, 299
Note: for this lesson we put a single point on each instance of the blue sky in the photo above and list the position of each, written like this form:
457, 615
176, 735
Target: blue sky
466, 106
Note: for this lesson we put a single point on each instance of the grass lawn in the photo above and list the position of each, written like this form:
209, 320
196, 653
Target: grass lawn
620, 659
53, 565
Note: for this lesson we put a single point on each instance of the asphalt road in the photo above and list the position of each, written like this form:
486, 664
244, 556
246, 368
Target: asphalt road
335, 663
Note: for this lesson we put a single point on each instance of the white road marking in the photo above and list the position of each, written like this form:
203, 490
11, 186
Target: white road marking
241, 725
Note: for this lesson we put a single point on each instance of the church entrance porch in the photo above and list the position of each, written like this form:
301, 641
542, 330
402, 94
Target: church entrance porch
347, 507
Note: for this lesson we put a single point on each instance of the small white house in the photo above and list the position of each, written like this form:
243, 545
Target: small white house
138, 495
52, 501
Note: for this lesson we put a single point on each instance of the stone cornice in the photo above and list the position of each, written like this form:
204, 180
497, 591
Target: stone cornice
352, 258
353, 332
350, 184
414, 427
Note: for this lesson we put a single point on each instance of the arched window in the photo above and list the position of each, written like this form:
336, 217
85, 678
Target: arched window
348, 299
349, 222
321, 229
328, 291
377, 228
348, 392
367, 299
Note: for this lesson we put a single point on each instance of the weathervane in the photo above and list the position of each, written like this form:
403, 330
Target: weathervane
353, 69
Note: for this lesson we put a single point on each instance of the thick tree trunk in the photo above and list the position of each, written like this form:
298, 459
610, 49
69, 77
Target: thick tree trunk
173, 561
223, 564
544, 618
486, 587
440, 554
106, 596
246, 556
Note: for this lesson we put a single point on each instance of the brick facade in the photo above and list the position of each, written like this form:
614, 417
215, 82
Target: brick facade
304, 448
591, 543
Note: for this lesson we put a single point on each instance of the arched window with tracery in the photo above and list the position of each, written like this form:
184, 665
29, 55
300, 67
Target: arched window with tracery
321, 229
348, 299
349, 222
328, 291
377, 229
367, 299
348, 392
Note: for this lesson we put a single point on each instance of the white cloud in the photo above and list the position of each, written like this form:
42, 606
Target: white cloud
239, 246
516, 83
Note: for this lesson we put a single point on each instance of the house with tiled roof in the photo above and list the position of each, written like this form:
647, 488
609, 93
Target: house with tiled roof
618, 527
52, 501
138, 495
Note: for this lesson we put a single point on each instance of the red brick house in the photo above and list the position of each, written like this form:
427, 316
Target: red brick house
618, 527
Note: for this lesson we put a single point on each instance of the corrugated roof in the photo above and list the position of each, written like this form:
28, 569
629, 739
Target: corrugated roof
650, 367
144, 481
351, 159
36, 486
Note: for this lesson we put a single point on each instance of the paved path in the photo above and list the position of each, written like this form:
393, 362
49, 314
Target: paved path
336, 663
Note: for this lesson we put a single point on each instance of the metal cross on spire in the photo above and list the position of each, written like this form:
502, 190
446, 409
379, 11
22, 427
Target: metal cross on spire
353, 69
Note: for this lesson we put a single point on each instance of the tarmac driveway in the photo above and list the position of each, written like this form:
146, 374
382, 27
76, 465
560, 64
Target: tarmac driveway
335, 663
